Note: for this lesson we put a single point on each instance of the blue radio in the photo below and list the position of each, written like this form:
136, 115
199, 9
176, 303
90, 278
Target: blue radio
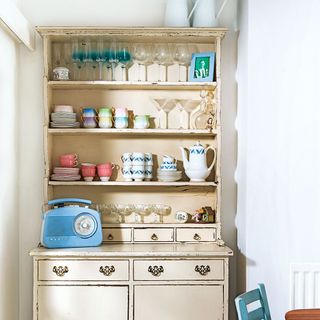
71, 226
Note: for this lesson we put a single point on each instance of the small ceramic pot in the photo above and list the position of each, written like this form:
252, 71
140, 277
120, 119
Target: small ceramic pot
141, 122
61, 73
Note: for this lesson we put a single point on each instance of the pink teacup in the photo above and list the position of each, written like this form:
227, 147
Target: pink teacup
88, 171
105, 171
121, 112
68, 160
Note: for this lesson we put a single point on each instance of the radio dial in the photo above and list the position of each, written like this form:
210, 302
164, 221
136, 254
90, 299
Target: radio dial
85, 225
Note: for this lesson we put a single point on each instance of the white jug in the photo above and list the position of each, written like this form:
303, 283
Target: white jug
176, 13
205, 13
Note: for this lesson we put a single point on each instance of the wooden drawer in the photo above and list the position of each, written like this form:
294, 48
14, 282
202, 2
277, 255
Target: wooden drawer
196, 234
178, 270
64, 270
116, 234
153, 234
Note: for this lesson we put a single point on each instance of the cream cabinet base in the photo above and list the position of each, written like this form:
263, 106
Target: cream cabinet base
132, 282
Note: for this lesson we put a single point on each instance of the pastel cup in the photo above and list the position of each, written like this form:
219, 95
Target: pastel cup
105, 171
141, 122
121, 122
105, 122
89, 122
121, 112
105, 112
68, 160
88, 171
88, 112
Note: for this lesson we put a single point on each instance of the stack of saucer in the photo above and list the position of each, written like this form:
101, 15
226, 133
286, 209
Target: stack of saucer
64, 117
65, 174
168, 170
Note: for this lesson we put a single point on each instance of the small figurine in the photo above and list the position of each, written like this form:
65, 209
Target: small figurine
204, 214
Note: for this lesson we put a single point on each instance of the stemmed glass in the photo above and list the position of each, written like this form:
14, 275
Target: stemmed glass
188, 106
77, 59
182, 55
161, 210
113, 58
163, 57
143, 210
90, 59
56, 55
101, 59
165, 105
124, 210
141, 54
124, 58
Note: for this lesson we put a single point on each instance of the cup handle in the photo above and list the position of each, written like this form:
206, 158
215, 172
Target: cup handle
75, 163
76, 157
113, 165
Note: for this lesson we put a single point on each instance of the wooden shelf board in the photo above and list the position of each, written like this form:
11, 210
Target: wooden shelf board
134, 183
160, 225
132, 132
131, 85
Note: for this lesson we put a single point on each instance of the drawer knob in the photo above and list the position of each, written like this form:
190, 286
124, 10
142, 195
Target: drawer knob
110, 237
154, 237
155, 270
107, 271
60, 271
203, 270
196, 237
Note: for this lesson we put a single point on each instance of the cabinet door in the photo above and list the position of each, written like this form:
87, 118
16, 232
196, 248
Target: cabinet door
178, 302
82, 302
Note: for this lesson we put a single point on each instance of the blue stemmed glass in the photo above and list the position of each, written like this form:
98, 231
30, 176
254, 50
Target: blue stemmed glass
112, 58
92, 57
77, 58
100, 58
125, 59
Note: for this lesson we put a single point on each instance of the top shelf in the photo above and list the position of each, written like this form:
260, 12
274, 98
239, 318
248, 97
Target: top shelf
136, 34
131, 85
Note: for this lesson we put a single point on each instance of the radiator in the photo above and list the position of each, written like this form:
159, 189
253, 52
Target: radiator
305, 285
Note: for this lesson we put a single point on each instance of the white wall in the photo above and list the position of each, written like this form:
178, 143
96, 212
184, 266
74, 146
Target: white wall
9, 183
278, 172
101, 12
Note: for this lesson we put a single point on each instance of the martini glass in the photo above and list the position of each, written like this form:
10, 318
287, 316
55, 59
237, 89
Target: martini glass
165, 105
188, 106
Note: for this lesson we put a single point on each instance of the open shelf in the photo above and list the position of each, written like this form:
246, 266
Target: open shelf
133, 132
134, 183
131, 85
161, 225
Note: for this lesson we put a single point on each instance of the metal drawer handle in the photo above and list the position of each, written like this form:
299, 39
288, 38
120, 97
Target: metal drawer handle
107, 271
154, 237
60, 271
196, 237
110, 237
203, 270
155, 270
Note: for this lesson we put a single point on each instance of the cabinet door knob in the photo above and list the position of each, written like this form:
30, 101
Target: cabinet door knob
110, 237
156, 270
203, 270
196, 237
60, 271
154, 237
107, 271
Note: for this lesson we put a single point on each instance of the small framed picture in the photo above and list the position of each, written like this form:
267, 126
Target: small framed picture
202, 66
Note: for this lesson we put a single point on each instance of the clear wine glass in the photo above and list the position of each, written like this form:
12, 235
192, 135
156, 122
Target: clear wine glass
165, 105
182, 55
161, 210
125, 59
143, 210
189, 106
124, 210
56, 55
162, 56
141, 54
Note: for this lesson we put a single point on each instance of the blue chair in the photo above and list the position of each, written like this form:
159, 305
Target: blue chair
258, 305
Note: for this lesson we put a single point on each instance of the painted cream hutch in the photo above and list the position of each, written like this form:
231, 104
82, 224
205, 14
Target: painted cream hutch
144, 270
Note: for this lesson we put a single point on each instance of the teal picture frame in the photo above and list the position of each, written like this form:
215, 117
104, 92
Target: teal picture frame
202, 67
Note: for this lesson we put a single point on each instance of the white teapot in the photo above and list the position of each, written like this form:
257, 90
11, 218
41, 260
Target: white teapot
196, 168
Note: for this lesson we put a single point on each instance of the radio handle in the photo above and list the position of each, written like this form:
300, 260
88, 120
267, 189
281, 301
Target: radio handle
64, 200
